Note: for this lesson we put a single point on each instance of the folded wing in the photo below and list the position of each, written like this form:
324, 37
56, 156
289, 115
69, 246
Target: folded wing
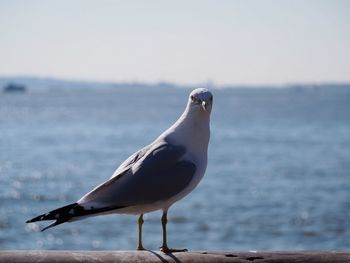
156, 174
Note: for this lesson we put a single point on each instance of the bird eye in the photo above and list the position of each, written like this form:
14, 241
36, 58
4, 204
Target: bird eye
195, 100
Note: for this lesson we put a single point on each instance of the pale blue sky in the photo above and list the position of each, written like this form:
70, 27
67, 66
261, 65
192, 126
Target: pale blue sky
186, 42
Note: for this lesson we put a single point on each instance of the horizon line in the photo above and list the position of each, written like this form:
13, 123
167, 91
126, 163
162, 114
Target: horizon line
208, 83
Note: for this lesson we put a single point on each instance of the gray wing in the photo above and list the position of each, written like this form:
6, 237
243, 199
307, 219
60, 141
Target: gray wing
126, 165
157, 175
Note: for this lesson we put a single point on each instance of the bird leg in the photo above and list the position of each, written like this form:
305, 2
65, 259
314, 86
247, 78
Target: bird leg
140, 221
164, 248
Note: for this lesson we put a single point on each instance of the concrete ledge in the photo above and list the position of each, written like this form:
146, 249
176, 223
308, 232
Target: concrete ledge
156, 256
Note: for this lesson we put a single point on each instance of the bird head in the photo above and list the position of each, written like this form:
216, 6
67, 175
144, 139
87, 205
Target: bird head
201, 99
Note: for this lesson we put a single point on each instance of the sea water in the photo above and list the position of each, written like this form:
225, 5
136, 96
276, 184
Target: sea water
278, 175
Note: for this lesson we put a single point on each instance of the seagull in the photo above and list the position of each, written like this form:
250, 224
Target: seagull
154, 177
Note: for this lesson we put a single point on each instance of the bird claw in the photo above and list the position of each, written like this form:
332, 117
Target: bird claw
171, 250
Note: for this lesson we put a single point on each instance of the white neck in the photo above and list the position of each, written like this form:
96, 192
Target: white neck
191, 129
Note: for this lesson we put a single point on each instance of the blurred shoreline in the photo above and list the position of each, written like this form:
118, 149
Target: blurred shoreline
40, 83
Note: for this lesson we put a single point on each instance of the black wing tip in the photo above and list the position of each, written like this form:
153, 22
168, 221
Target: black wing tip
37, 218
42, 230
66, 213
40, 218
52, 225
54, 214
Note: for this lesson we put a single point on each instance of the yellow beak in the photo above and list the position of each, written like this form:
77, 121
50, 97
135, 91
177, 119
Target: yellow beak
204, 105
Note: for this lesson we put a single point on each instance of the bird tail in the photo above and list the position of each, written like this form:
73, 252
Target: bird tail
60, 215
69, 212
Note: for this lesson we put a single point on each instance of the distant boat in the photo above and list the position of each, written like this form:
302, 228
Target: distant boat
12, 87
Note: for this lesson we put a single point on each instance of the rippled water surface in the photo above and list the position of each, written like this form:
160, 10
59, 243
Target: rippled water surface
278, 176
